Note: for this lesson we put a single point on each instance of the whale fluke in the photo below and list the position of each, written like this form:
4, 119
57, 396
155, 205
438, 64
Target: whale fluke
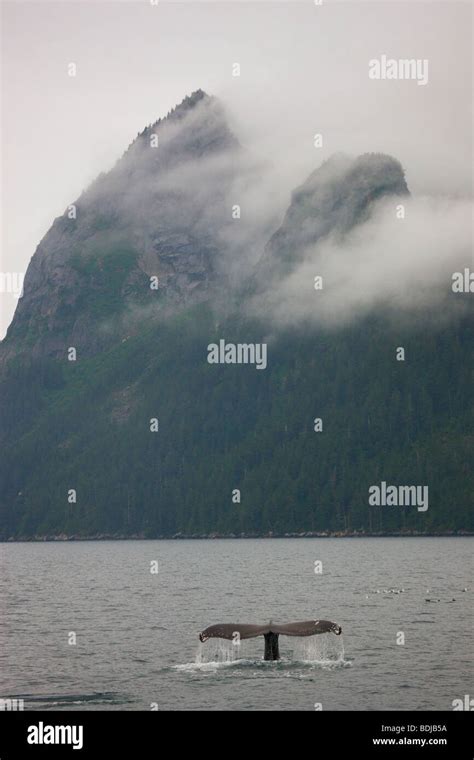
307, 628
271, 632
229, 631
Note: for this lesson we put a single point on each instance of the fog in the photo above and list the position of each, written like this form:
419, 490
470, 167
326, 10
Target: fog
389, 264
303, 71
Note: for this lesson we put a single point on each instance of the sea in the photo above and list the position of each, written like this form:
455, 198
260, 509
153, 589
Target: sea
114, 625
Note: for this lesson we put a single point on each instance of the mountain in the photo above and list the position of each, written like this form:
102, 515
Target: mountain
158, 213
334, 199
140, 435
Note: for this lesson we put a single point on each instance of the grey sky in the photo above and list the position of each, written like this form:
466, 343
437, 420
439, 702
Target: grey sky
304, 69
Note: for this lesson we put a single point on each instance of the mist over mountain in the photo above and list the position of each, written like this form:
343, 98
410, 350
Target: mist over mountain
182, 245
159, 212
376, 248
333, 200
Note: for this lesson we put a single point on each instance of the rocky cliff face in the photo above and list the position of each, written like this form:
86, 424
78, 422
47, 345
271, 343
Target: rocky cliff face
165, 211
150, 235
160, 212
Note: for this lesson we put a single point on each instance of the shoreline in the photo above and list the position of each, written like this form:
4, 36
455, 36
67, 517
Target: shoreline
62, 537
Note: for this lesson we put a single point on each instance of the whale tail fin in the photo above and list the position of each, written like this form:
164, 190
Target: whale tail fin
248, 631
270, 632
233, 631
307, 628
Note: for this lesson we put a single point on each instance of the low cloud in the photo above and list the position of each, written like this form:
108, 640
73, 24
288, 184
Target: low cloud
387, 264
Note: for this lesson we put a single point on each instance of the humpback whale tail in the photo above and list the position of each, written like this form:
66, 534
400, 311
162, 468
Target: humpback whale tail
270, 632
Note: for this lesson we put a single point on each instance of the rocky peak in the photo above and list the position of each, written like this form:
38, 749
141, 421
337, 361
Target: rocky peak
334, 198
157, 213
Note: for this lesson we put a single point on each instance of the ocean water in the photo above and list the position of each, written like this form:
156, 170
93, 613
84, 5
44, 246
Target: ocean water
136, 632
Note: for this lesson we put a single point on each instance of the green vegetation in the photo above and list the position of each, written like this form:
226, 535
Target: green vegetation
86, 425
105, 274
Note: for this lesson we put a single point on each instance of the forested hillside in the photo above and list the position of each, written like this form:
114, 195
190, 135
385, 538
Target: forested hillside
150, 438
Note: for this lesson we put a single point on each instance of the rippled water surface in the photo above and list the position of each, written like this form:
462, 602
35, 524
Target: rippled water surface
137, 631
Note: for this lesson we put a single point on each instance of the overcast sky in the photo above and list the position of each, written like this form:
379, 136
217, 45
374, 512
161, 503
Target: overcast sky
304, 70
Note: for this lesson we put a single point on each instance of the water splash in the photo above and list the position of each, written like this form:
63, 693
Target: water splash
219, 651
323, 649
